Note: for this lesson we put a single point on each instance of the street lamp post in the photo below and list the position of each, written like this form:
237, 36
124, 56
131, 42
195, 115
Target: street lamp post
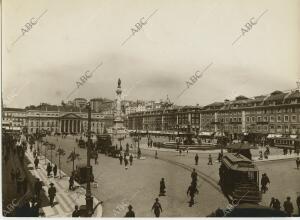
88, 195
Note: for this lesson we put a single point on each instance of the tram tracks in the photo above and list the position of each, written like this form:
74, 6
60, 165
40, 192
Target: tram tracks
206, 178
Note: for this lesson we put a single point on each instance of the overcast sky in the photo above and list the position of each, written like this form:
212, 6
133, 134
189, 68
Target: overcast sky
180, 38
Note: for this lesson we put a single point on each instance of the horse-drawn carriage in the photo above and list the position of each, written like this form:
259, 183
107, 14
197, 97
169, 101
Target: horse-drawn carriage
104, 145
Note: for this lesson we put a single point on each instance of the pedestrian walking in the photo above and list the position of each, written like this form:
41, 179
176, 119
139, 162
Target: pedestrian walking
37, 188
220, 157
298, 162
156, 157
209, 160
121, 158
34, 153
194, 176
290, 150
96, 158
130, 159
157, 208
264, 181
36, 162
71, 182
298, 203
52, 194
12, 175
76, 212
126, 162
162, 188
187, 150
130, 213
192, 191
277, 204
49, 169
288, 206
196, 159
55, 170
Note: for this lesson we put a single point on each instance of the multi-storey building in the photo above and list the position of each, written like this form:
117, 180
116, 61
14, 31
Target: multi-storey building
276, 113
58, 119
80, 102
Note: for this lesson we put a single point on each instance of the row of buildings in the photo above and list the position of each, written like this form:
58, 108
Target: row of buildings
276, 113
57, 119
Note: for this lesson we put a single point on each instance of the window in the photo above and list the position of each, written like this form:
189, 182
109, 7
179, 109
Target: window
253, 119
247, 119
31, 124
279, 110
265, 118
258, 118
294, 118
286, 118
278, 118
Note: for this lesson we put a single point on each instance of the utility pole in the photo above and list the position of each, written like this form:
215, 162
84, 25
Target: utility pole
88, 195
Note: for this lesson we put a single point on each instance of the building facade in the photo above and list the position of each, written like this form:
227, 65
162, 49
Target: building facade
57, 120
276, 113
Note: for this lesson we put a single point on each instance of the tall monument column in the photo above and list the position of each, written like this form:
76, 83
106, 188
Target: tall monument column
118, 127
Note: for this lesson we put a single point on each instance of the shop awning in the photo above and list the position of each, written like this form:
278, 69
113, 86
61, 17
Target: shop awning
206, 133
274, 135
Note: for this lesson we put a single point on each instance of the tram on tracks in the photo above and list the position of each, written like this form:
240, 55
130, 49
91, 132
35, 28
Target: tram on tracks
285, 142
239, 178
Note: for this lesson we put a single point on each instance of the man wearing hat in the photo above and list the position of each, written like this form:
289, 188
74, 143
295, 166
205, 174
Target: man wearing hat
37, 188
288, 206
130, 213
51, 194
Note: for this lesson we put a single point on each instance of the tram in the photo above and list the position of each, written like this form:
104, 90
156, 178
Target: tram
285, 142
239, 178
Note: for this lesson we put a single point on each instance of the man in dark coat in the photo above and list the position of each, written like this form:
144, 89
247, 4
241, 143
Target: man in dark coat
264, 181
130, 159
298, 162
37, 188
49, 169
51, 194
130, 213
194, 176
209, 160
36, 162
71, 182
196, 159
298, 203
162, 189
192, 190
55, 170
121, 158
157, 208
288, 206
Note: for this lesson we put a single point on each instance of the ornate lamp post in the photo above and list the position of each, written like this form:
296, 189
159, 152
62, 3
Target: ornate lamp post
88, 195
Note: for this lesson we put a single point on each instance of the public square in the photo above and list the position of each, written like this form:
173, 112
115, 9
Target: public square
139, 185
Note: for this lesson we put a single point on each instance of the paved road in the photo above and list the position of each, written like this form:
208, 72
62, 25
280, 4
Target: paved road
139, 185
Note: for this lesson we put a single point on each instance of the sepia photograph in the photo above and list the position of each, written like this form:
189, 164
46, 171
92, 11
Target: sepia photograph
150, 108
